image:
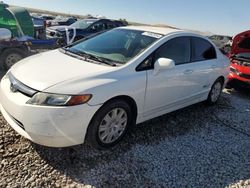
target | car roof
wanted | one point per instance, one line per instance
(159, 30)
(91, 19)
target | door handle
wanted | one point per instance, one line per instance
(213, 66)
(188, 71)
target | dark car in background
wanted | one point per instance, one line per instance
(81, 29)
(61, 21)
(239, 76)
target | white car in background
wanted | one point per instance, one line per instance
(95, 89)
(221, 41)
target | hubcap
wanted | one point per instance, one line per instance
(113, 125)
(12, 59)
(215, 93)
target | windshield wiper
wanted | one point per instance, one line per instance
(71, 53)
(93, 57)
(97, 58)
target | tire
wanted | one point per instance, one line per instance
(215, 92)
(96, 131)
(10, 56)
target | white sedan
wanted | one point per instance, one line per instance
(93, 90)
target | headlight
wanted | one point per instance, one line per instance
(48, 99)
(234, 70)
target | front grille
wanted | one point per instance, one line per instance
(242, 62)
(16, 85)
(247, 76)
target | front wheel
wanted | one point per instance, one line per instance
(109, 124)
(215, 92)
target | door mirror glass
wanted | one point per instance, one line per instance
(5, 34)
(163, 64)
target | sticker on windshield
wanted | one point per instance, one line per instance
(150, 34)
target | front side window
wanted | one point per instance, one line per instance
(177, 49)
(118, 45)
(202, 50)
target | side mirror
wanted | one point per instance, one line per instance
(163, 64)
(5, 34)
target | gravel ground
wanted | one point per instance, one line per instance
(198, 146)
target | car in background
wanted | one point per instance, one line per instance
(94, 90)
(81, 29)
(240, 61)
(62, 21)
(222, 42)
(47, 19)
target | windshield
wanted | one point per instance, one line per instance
(117, 45)
(82, 24)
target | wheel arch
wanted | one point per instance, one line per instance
(128, 99)
(222, 78)
(131, 102)
(20, 47)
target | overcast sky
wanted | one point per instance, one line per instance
(218, 16)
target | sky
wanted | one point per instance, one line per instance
(227, 17)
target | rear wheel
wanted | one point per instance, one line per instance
(215, 92)
(109, 124)
(10, 56)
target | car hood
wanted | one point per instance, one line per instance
(236, 40)
(48, 69)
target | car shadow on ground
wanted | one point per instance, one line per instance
(241, 92)
(136, 161)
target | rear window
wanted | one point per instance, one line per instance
(202, 50)
(245, 43)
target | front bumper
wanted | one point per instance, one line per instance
(233, 76)
(49, 126)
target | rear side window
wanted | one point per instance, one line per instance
(202, 50)
(177, 49)
(245, 43)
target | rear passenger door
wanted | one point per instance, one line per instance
(204, 63)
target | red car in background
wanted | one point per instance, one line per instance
(240, 61)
